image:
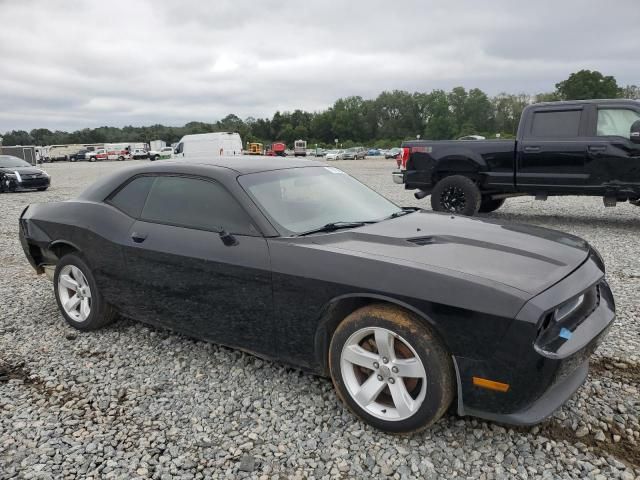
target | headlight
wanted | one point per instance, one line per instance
(567, 308)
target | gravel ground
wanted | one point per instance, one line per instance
(132, 401)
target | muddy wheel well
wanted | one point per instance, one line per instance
(336, 312)
(61, 249)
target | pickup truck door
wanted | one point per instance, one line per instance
(552, 149)
(613, 159)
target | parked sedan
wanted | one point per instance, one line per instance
(16, 174)
(334, 155)
(295, 261)
(393, 153)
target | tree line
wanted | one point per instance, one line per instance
(381, 122)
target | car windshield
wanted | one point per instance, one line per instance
(301, 199)
(8, 162)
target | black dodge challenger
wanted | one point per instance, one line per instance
(293, 260)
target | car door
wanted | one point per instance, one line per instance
(188, 275)
(614, 160)
(552, 149)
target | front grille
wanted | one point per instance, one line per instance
(34, 182)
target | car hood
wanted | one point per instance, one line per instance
(524, 257)
(21, 170)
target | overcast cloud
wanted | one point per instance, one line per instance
(75, 64)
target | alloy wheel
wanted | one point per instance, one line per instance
(74, 293)
(383, 373)
(453, 199)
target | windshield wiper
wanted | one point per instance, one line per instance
(400, 213)
(333, 226)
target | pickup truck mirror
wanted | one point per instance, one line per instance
(634, 132)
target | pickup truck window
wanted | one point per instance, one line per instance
(616, 121)
(558, 124)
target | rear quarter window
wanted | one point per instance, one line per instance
(556, 124)
(132, 196)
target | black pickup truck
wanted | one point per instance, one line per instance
(589, 147)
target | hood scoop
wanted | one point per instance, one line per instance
(422, 240)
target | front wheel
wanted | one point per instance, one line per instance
(390, 369)
(456, 194)
(77, 295)
(490, 205)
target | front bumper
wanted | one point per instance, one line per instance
(540, 381)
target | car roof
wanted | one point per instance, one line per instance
(247, 163)
(596, 101)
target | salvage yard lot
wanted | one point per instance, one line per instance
(131, 400)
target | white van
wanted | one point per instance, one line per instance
(214, 144)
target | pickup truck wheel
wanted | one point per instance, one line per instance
(456, 194)
(490, 205)
(390, 369)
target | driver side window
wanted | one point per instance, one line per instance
(616, 121)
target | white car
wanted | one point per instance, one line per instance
(334, 155)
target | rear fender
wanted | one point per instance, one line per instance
(457, 161)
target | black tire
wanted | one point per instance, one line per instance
(101, 313)
(92, 159)
(456, 194)
(120, 159)
(440, 377)
(635, 202)
(42, 189)
(490, 205)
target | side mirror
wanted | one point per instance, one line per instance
(634, 132)
(228, 239)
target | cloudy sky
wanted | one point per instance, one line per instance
(82, 63)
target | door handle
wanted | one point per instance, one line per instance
(597, 148)
(532, 149)
(138, 237)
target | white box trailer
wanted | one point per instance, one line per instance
(63, 152)
(215, 144)
(157, 145)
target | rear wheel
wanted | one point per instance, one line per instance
(77, 295)
(390, 369)
(456, 194)
(490, 205)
